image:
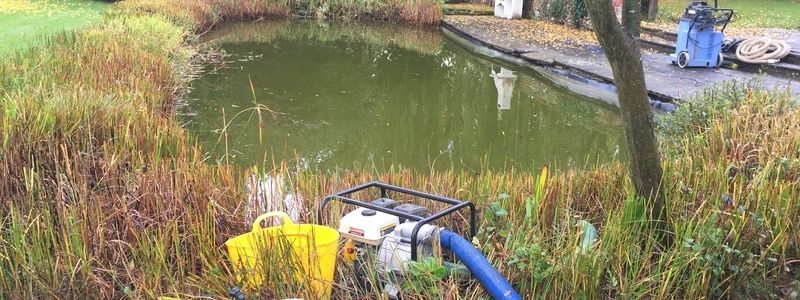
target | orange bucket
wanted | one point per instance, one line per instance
(312, 251)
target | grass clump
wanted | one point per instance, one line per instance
(735, 183)
(102, 195)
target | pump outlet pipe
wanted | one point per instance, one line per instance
(480, 268)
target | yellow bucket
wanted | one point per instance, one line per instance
(313, 254)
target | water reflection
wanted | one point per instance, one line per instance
(354, 96)
(504, 82)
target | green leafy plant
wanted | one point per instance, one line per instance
(558, 10)
(532, 202)
(423, 276)
(495, 214)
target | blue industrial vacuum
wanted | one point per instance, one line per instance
(698, 42)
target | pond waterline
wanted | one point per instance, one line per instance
(354, 96)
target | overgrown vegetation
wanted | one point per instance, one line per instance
(373, 33)
(103, 196)
(571, 13)
(201, 15)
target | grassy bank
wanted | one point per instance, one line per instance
(423, 40)
(104, 196)
(201, 15)
(98, 180)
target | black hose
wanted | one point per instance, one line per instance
(236, 293)
(729, 46)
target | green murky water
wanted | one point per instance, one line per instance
(331, 96)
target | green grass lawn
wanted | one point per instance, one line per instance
(783, 14)
(21, 22)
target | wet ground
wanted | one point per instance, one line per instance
(576, 54)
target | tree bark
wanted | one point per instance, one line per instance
(652, 11)
(622, 51)
(631, 17)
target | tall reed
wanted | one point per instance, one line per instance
(412, 12)
(423, 40)
(103, 196)
(101, 190)
(200, 16)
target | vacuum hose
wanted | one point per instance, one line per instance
(755, 50)
(488, 276)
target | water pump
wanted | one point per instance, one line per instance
(382, 238)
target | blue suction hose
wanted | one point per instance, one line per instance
(480, 268)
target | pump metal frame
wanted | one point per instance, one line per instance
(455, 205)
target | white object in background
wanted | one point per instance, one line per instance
(509, 9)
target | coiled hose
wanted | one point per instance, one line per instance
(757, 50)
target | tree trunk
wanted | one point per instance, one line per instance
(631, 16)
(624, 56)
(652, 11)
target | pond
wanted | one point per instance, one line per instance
(331, 96)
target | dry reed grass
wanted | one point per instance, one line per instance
(423, 40)
(103, 195)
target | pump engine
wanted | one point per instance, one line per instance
(382, 237)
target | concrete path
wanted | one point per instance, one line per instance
(665, 81)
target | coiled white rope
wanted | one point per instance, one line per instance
(757, 50)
